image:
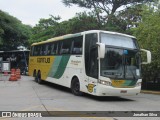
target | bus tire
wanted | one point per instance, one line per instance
(39, 80)
(75, 87)
(35, 75)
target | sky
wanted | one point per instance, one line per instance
(31, 11)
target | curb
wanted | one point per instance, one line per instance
(150, 92)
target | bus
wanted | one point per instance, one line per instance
(100, 63)
(17, 58)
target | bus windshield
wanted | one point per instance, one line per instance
(118, 41)
(121, 61)
(120, 64)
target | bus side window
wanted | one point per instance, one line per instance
(36, 50)
(31, 52)
(47, 49)
(66, 46)
(40, 52)
(77, 45)
(54, 48)
(43, 50)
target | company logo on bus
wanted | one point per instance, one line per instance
(90, 87)
(43, 60)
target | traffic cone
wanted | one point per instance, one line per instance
(18, 73)
(13, 75)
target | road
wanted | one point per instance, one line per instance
(27, 95)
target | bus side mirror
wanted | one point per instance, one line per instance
(101, 50)
(148, 56)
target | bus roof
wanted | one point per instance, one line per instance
(58, 38)
(78, 34)
(109, 32)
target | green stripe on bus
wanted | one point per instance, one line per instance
(133, 82)
(129, 83)
(62, 66)
(55, 65)
(59, 66)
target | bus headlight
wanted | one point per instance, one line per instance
(104, 82)
(138, 84)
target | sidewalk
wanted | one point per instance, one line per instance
(150, 92)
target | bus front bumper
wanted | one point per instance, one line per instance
(103, 90)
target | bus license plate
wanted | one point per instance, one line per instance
(123, 91)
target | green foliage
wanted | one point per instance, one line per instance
(96, 19)
(131, 16)
(48, 28)
(82, 22)
(104, 10)
(148, 34)
(12, 32)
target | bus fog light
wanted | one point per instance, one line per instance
(138, 84)
(104, 82)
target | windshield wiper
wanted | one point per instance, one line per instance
(134, 76)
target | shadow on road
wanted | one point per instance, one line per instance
(107, 98)
(88, 96)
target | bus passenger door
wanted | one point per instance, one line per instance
(93, 71)
(91, 62)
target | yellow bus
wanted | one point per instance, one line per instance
(96, 62)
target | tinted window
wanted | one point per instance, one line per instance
(31, 51)
(91, 54)
(37, 50)
(48, 49)
(66, 46)
(53, 45)
(77, 45)
(43, 50)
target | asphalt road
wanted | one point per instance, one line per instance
(27, 95)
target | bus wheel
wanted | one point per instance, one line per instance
(39, 80)
(35, 76)
(75, 87)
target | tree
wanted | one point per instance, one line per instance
(101, 7)
(132, 15)
(12, 32)
(45, 29)
(51, 27)
(148, 34)
(82, 22)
